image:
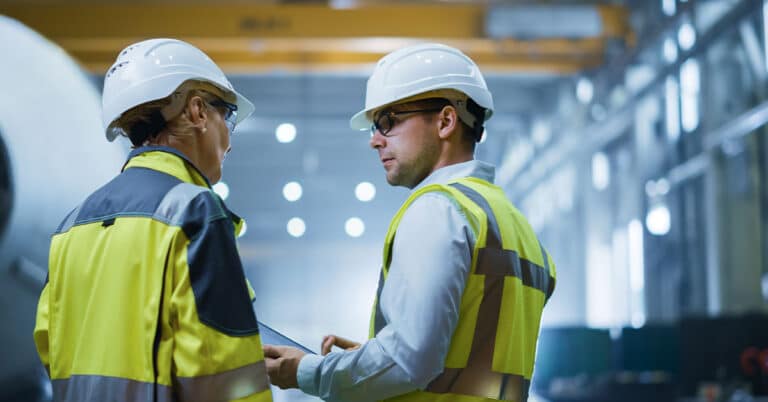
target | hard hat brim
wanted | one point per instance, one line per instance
(360, 121)
(245, 108)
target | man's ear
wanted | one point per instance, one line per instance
(197, 112)
(447, 122)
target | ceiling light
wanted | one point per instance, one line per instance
(296, 227)
(658, 220)
(292, 191)
(222, 189)
(669, 7)
(601, 171)
(365, 191)
(354, 227)
(540, 132)
(670, 50)
(584, 90)
(285, 133)
(686, 36)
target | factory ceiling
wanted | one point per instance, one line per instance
(549, 37)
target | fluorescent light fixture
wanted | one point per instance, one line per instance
(292, 191)
(672, 103)
(584, 90)
(601, 171)
(658, 220)
(689, 94)
(656, 188)
(285, 133)
(650, 188)
(636, 273)
(540, 132)
(686, 36)
(296, 227)
(765, 30)
(222, 189)
(764, 286)
(669, 7)
(636, 256)
(599, 279)
(670, 50)
(638, 319)
(662, 186)
(355, 227)
(365, 191)
(343, 4)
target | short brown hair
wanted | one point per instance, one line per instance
(434, 103)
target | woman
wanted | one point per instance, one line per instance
(146, 298)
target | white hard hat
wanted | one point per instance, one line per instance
(417, 69)
(153, 69)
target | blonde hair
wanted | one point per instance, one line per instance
(144, 123)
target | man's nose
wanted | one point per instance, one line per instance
(377, 140)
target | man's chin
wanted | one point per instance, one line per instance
(392, 180)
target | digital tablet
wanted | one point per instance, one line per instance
(271, 337)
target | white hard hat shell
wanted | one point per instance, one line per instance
(153, 69)
(416, 69)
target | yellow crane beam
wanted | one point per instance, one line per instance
(245, 37)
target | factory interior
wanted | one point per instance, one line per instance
(630, 133)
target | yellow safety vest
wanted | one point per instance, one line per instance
(492, 350)
(146, 299)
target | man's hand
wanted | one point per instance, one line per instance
(282, 364)
(332, 340)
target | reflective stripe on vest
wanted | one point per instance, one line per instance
(485, 375)
(249, 382)
(102, 388)
(230, 385)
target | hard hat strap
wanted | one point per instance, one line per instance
(471, 114)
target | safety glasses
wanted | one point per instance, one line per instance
(230, 113)
(385, 121)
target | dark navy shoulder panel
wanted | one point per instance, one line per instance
(134, 192)
(69, 220)
(215, 270)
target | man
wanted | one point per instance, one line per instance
(146, 298)
(464, 279)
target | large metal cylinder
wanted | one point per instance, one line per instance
(53, 153)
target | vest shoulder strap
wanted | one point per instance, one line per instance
(476, 217)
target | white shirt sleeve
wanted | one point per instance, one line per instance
(431, 258)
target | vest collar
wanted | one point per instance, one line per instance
(473, 168)
(167, 160)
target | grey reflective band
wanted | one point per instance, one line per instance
(175, 202)
(230, 385)
(551, 281)
(79, 388)
(494, 260)
(481, 383)
(508, 263)
(494, 263)
(493, 238)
